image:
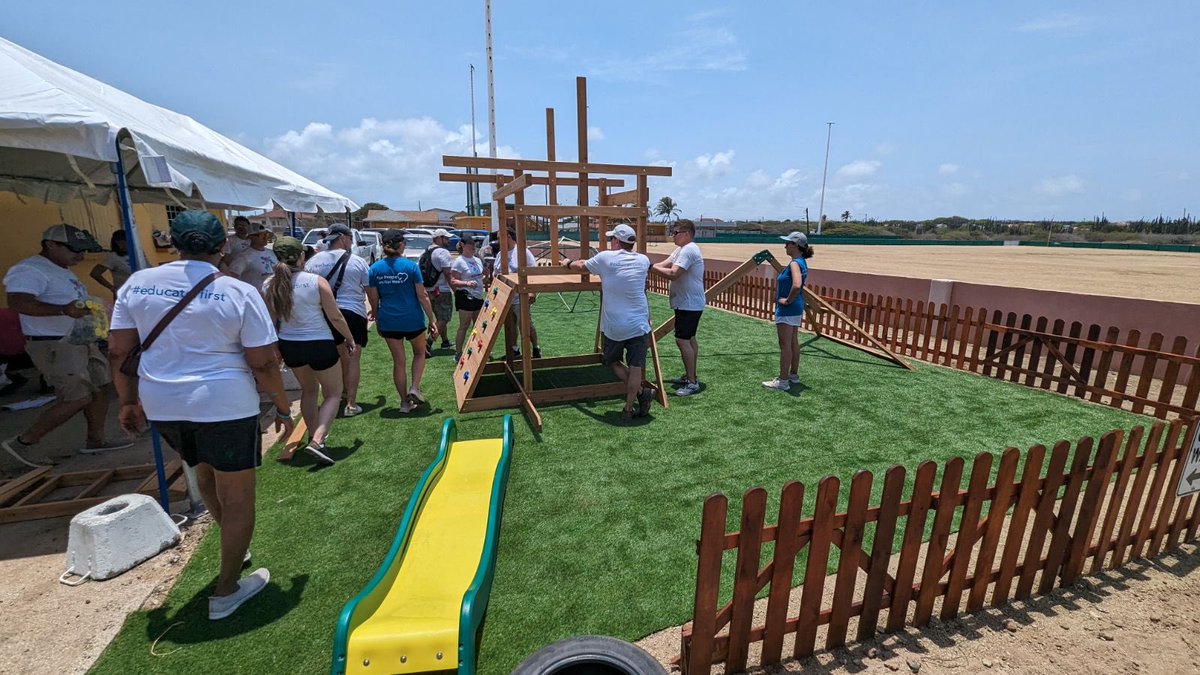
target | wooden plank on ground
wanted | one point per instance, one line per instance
(11, 489)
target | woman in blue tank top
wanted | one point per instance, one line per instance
(789, 310)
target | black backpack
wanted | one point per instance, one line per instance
(428, 272)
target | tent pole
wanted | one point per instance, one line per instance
(132, 242)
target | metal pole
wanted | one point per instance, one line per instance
(824, 174)
(473, 188)
(491, 103)
(131, 240)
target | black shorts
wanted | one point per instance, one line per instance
(633, 350)
(465, 303)
(401, 334)
(358, 328)
(316, 354)
(686, 323)
(233, 445)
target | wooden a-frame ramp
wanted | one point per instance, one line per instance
(813, 302)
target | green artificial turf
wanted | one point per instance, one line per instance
(601, 519)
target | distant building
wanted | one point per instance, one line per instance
(403, 219)
(710, 227)
(279, 221)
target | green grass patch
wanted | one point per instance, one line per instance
(600, 519)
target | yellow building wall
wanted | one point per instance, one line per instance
(23, 219)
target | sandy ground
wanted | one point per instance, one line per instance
(1142, 618)
(49, 628)
(1152, 275)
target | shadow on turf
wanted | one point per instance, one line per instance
(423, 410)
(270, 605)
(303, 460)
(613, 417)
(380, 401)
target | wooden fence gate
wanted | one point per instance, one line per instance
(1092, 506)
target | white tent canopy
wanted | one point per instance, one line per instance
(58, 139)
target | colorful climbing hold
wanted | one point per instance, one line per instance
(466, 375)
(484, 327)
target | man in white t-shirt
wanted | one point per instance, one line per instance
(198, 384)
(348, 280)
(685, 268)
(512, 325)
(441, 296)
(254, 264)
(624, 314)
(49, 297)
(240, 241)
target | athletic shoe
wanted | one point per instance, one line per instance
(777, 384)
(688, 389)
(794, 378)
(457, 356)
(416, 396)
(246, 559)
(317, 450)
(12, 445)
(105, 446)
(447, 345)
(352, 410)
(537, 352)
(221, 607)
(645, 398)
(678, 381)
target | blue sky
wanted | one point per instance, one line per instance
(1009, 110)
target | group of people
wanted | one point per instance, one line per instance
(232, 310)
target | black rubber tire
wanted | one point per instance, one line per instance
(590, 655)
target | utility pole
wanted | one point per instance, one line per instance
(824, 175)
(473, 188)
(491, 100)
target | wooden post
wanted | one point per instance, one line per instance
(524, 320)
(581, 129)
(552, 187)
(643, 196)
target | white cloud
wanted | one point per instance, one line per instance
(1058, 23)
(700, 48)
(595, 134)
(713, 166)
(652, 154)
(1057, 186)
(707, 14)
(955, 189)
(859, 168)
(393, 161)
(948, 169)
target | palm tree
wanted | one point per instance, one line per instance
(845, 216)
(667, 208)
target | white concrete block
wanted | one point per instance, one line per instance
(115, 536)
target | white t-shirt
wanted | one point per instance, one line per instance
(196, 370)
(624, 313)
(49, 283)
(308, 319)
(530, 261)
(253, 266)
(442, 261)
(235, 245)
(352, 294)
(118, 265)
(687, 292)
(470, 269)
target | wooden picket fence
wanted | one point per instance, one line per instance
(1107, 365)
(1090, 508)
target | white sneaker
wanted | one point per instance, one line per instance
(11, 447)
(777, 384)
(219, 608)
(678, 381)
(688, 389)
(794, 378)
(416, 396)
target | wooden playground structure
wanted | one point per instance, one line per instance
(512, 178)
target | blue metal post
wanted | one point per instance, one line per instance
(132, 242)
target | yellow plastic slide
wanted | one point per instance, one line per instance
(422, 611)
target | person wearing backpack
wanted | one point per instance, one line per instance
(347, 275)
(435, 265)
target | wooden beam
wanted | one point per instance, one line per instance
(21, 483)
(531, 411)
(552, 183)
(501, 179)
(546, 165)
(626, 198)
(512, 187)
(566, 210)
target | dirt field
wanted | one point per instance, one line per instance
(1156, 276)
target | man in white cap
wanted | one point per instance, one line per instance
(258, 262)
(441, 296)
(49, 297)
(624, 314)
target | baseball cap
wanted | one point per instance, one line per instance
(288, 249)
(392, 236)
(258, 228)
(623, 233)
(336, 230)
(797, 238)
(72, 237)
(197, 231)
(440, 232)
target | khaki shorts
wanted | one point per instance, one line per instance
(75, 371)
(443, 306)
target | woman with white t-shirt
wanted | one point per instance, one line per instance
(300, 304)
(466, 278)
